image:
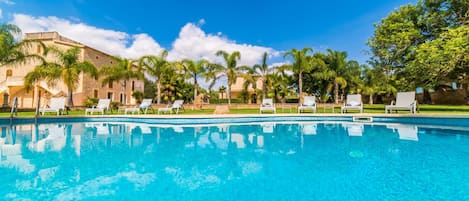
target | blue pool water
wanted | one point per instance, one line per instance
(261, 161)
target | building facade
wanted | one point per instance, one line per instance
(238, 87)
(12, 77)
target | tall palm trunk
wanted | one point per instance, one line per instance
(228, 95)
(275, 95)
(371, 99)
(158, 93)
(70, 98)
(300, 84)
(336, 92)
(195, 89)
(264, 88)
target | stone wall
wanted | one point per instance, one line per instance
(447, 97)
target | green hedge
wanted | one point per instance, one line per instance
(224, 101)
(291, 100)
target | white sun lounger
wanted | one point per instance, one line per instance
(353, 102)
(56, 105)
(103, 106)
(404, 101)
(144, 106)
(309, 103)
(267, 105)
(177, 105)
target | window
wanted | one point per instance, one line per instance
(97, 57)
(9, 72)
(110, 95)
(122, 98)
(95, 93)
(110, 85)
(133, 85)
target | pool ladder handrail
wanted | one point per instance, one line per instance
(14, 107)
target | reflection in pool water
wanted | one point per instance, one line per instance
(268, 161)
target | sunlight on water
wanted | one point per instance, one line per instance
(266, 161)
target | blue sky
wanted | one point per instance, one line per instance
(273, 26)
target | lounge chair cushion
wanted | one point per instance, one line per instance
(309, 102)
(353, 103)
(144, 105)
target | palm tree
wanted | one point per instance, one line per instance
(263, 71)
(193, 70)
(336, 62)
(212, 74)
(168, 86)
(278, 84)
(155, 66)
(374, 83)
(67, 68)
(230, 69)
(301, 63)
(12, 52)
(124, 70)
(250, 78)
(222, 90)
(353, 73)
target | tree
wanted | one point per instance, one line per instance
(441, 61)
(176, 88)
(318, 78)
(193, 70)
(231, 68)
(250, 79)
(262, 71)
(374, 83)
(149, 89)
(212, 74)
(12, 52)
(124, 70)
(414, 39)
(155, 66)
(278, 84)
(301, 63)
(392, 43)
(138, 95)
(173, 85)
(353, 75)
(222, 90)
(67, 68)
(336, 62)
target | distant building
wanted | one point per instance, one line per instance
(12, 77)
(237, 88)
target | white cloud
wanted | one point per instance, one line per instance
(194, 43)
(1, 13)
(278, 64)
(109, 41)
(8, 2)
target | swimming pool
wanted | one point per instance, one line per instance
(329, 159)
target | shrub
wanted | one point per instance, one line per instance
(138, 95)
(90, 102)
(292, 100)
(115, 105)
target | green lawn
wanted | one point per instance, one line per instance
(377, 108)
